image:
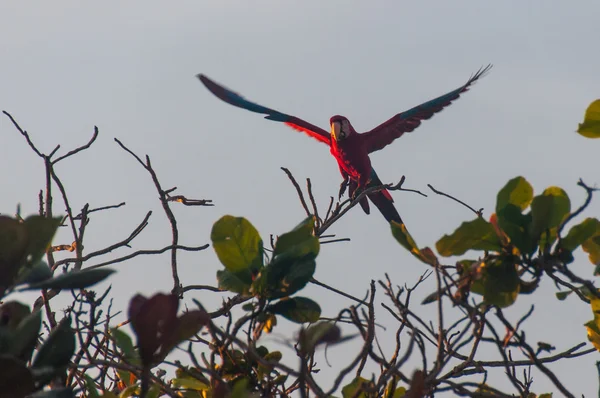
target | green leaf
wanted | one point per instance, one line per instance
(579, 233)
(238, 282)
(501, 283)
(401, 234)
(130, 391)
(125, 344)
(284, 276)
(58, 349)
(240, 389)
(189, 383)
(125, 376)
(548, 210)
(351, 390)
(517, 226)
(13, 247)
(563, 295)
(590, 127)
(297, 309)
(40, 231)
(73, 279)
(237, 244)
(301, 240)
(517, 192)
(592, 247)
(274, 356)
(36, 273)
(472, 235)
(403, 237)
(280, 379)
(154, 391)
(24, 338)
(90, 387)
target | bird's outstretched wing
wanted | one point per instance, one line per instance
(407, 121)
(237, 100)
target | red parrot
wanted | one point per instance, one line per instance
(349, 148)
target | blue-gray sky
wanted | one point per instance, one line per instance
(129, 67)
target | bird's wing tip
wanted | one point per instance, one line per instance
(203, 78)
(484, 70)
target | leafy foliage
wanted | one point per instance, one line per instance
(590, 127)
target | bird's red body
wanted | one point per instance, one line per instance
(353, 158)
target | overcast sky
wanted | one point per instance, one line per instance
(129, 67)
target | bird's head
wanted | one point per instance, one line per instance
(340, 128)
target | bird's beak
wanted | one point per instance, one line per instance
(335, 130)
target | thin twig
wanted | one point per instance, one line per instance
(479, 212)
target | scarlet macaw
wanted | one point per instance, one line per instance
(349, 148)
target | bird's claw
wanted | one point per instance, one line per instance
(356, 193)
(343, 187)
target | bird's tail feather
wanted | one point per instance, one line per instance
(385, 206)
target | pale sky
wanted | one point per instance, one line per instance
(129, 68)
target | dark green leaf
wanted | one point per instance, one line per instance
(301, 240)
(58, 349)
(237, 244)
(154, 391)
(517, 192)
(36, 273)
(280, 379)
(125, 344)
(90, 387)
(297, 309)
(284, 276)
(516, 225)
(352, 390)
(25, 337)
(501, 283)
(73, 279)
(13, 247)
(40, 231)
(472, 235)
(548, 210)
(238, 282)
(580, 233)
(240, 388)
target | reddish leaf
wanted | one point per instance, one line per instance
(152, 321)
